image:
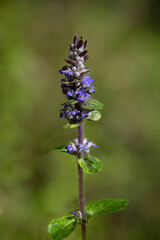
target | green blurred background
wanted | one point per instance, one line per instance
(38, 185)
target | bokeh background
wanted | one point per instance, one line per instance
(37, 184)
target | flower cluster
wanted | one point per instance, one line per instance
(81, 149)
(76, 84)
(81, 92)
(72, 114)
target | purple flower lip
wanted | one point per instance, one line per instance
(77, 214)
(67, 72)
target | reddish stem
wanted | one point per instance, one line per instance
(81, 185)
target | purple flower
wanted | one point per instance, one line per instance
(67, 72)
(92, 90)
(71, 148)
(83, 115)
(77, 148)
(71, 93)
(91, 144)
(75, 213)
(82, 95)
(87, 81)
(63, 86)
(78, 214)
(61, 115)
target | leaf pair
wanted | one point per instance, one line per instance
(64, 226)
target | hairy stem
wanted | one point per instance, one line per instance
(81, 185)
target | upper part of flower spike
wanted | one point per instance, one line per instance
(79, 149)
(77, 84)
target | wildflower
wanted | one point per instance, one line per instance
(78, 87)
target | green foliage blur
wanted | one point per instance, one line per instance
(37, 184)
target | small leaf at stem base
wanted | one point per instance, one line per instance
(62, 227)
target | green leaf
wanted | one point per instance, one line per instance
(71, 101)
(90, 164)
(94, 115)
(69, 125)
(62, 227)
(105, 206)
(92, 104)
(61, 148)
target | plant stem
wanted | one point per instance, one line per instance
(81, 185)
